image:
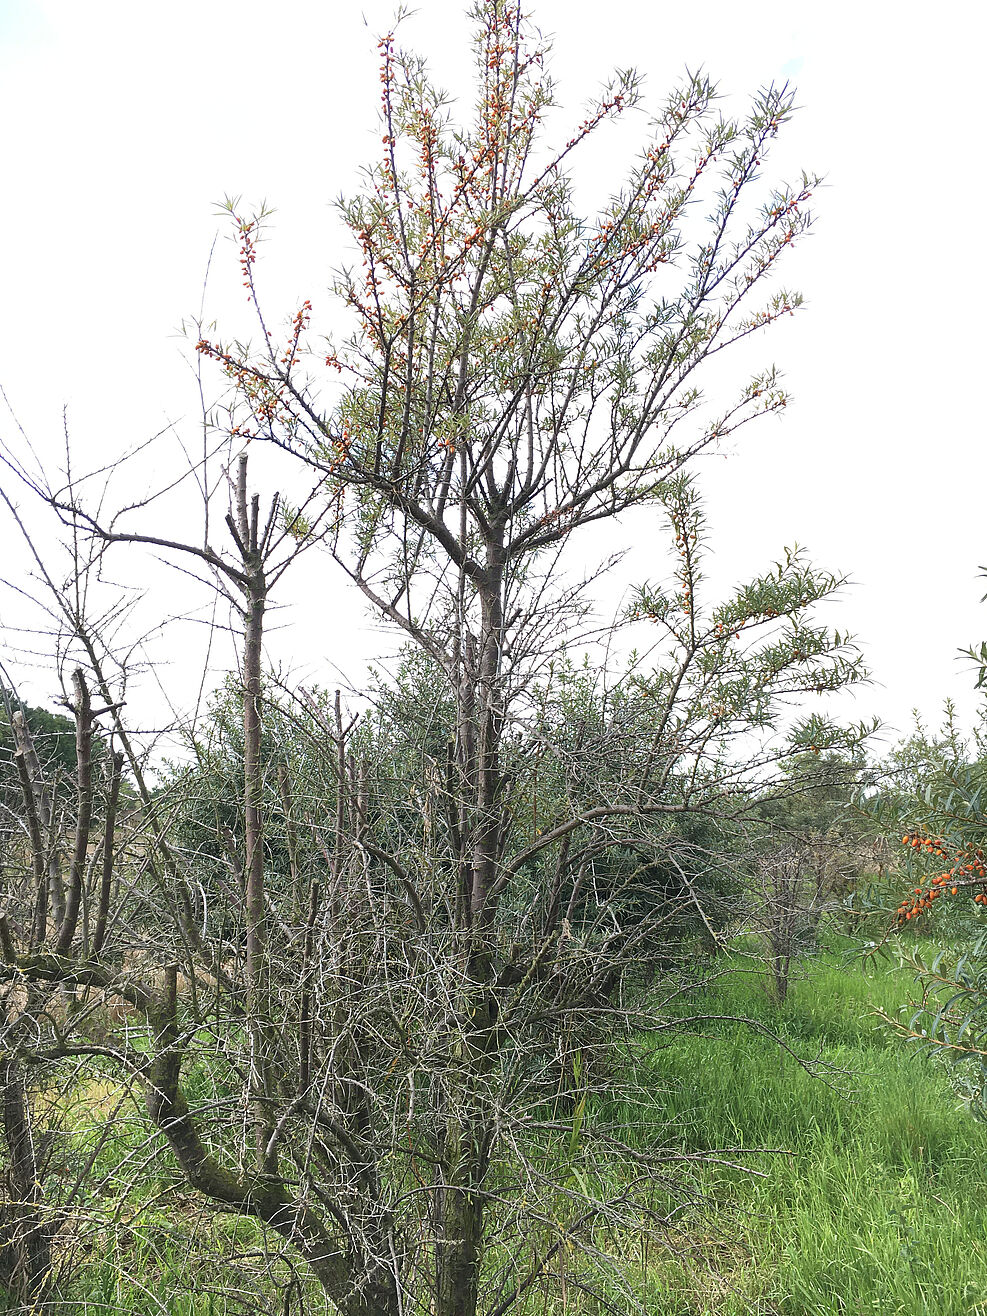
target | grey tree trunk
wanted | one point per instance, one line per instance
(466, 1139)
(25, 1235)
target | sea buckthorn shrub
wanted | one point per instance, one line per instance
(940, 806)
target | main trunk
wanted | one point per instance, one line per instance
(458, 1254)
(459, 1245)
(256, 966)
(466, 1142)
(490, 717)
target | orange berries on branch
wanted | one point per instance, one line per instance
(968, 869)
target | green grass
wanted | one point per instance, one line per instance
(880, 1204)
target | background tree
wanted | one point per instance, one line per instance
(816, 847)
(930, 806)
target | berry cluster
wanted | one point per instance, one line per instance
(968, 867)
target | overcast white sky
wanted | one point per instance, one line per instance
(125, 123)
